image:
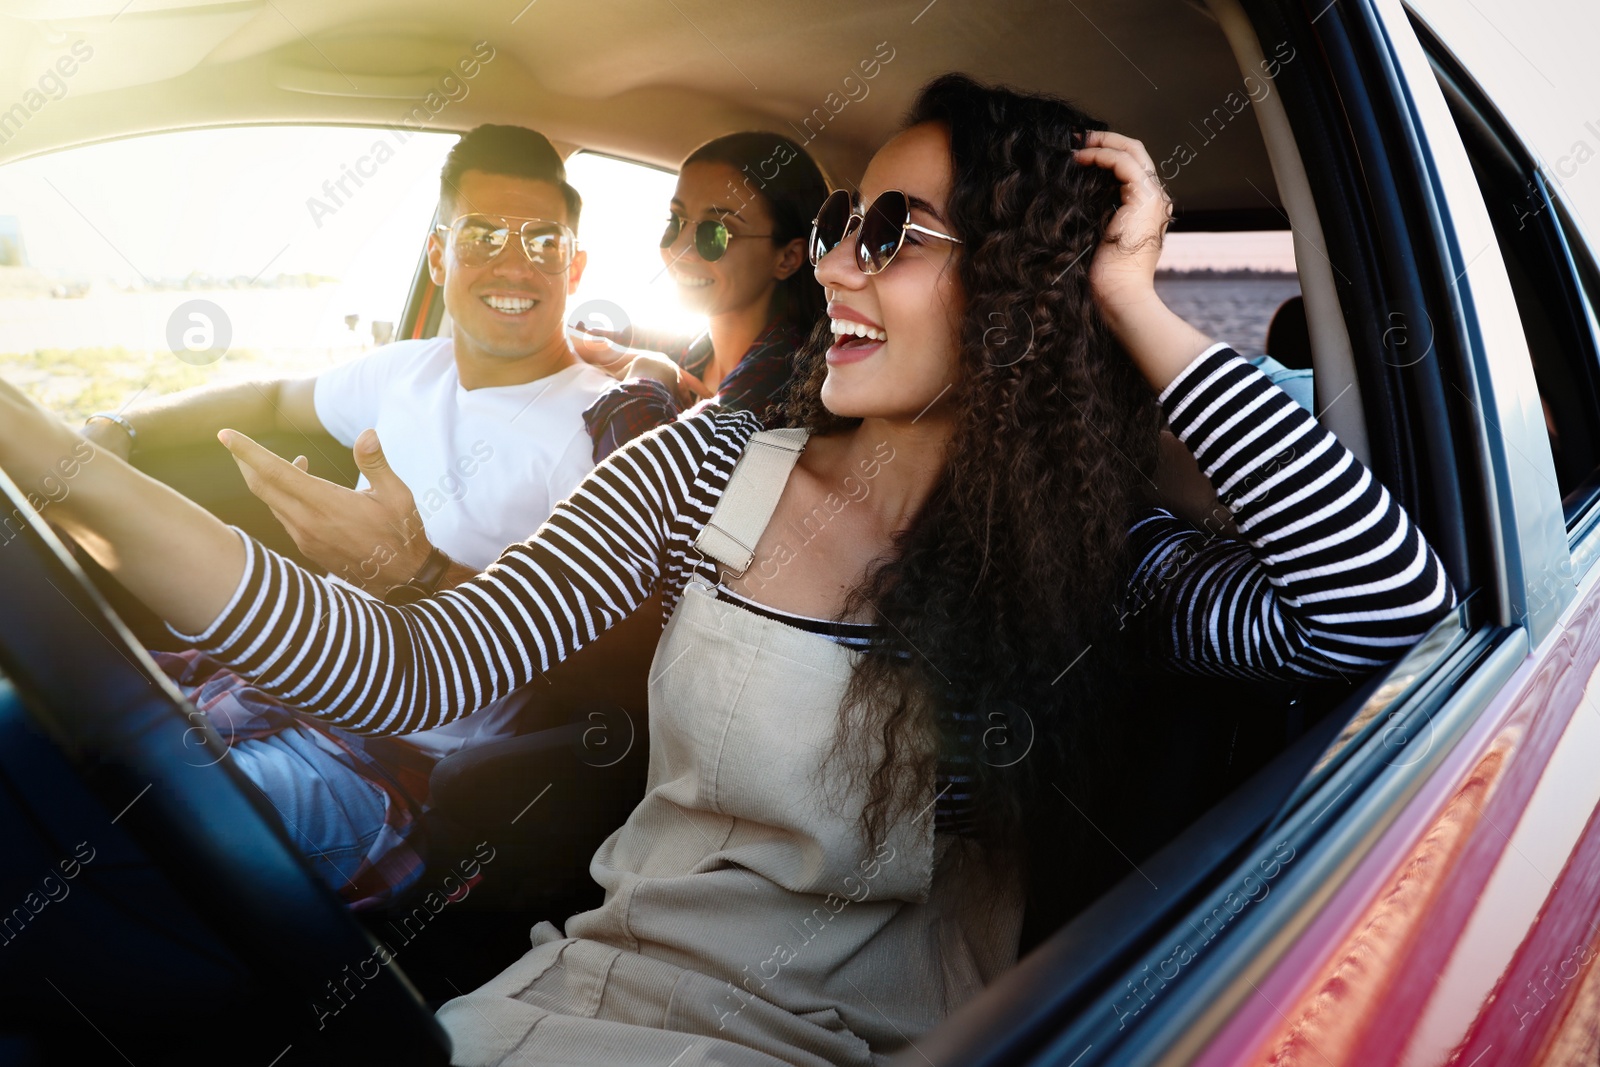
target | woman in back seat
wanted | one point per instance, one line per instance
(735, 247)
(831, 856)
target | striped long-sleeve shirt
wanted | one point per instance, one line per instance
(1331, 578)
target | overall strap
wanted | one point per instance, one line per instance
(757, 481)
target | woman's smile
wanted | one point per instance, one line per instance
(855, 337)
(691, 281)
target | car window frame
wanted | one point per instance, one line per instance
(1583, 526)
(424, 307)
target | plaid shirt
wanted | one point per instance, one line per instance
(638, 405)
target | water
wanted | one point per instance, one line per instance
(1235, 310)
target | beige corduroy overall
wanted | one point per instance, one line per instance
(746, 920)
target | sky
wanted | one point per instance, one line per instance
(259, 201)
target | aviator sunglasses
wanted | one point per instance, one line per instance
(478, 238)
(882, 228)
(710, 236)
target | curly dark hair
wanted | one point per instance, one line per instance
(1007, 576)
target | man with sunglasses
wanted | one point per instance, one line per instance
(482, 433)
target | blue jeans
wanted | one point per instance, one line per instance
(333, 813)
(346, 805)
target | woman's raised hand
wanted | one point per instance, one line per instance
(1122, 274)
(1124, 266)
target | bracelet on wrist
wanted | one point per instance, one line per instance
(113, 417)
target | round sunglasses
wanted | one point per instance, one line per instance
(710, 236)
(477, 239)
(882, 227)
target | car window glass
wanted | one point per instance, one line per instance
(1233, 287)
(147, 265)
(624, 211)
(1542, 263)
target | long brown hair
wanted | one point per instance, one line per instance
(1007, 576)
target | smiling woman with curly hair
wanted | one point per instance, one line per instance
(829, 858)
(1007, 573)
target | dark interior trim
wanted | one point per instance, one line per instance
(1028, 1006)
(1228, 220)
(134, 744)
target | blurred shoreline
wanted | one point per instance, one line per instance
(1231, 306)
(96, 351)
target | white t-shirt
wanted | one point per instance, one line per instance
(486, 466)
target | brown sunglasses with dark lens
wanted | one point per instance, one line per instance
(882, 229)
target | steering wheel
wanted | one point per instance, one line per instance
(155, 763)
